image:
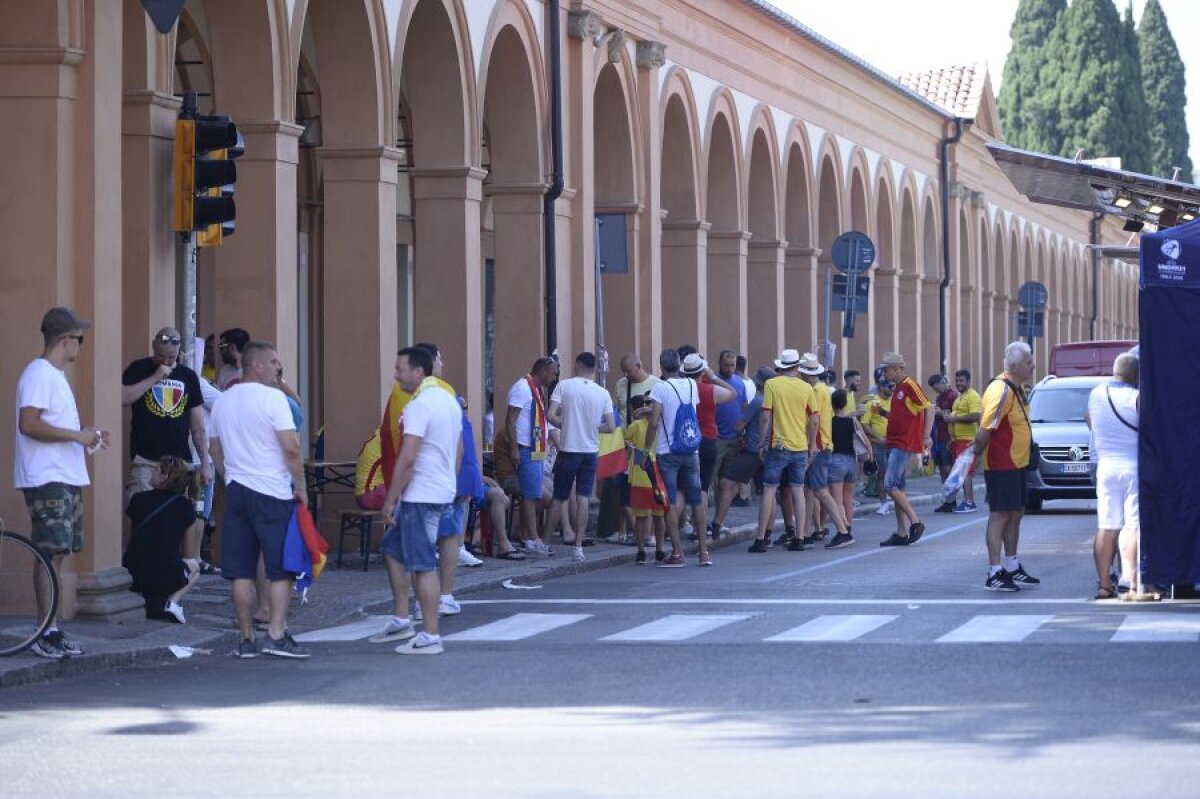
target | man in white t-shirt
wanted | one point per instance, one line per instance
(679, 470)
(582, 410)
(48, 463)
(255, 447)
(423, 487)
(529, 443)
(1112, 415)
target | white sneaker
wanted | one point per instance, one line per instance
(885, 507)
(686, 528)
(393, 632)
(578, 556)
(447, 606)
(423, 644)
(175, 611)
(538, 547)
(466, 559)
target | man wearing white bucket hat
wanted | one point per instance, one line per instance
(816, 480)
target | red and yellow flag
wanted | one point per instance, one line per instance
(390, 431)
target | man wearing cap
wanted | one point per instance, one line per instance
(816, 479)
(48, 463)
(876, 409)
(746, 464)
(788, 427)
(166, 407)
(910, 429)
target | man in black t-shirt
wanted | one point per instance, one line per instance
(167, 407)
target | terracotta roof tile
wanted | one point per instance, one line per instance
(958, 88)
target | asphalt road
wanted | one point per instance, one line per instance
(853, 673)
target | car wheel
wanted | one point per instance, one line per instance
(1033, 504)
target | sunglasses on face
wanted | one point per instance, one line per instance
(172, 340)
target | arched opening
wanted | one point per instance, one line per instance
(884, 283)
(800, 276)
(984, 301)
(857, 351)
(927, 358)
(764, 270)
(908, 305)
(829, 227)
(684, 235)
(966, 323)
(726, 243)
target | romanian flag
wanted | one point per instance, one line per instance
(647, 491)
(390, 431)
(304, 548)
(613, 459)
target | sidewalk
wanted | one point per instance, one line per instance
(340, 596)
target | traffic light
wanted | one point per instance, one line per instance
(205, 147)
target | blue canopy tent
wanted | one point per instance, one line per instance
(1169, 483)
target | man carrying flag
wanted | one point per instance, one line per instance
(527, 431)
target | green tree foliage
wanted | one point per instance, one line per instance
(1101, 105)
(1028, 100)
(1163, 82)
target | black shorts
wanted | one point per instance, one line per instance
(743, 468)
(708, 462)
(1007, 490)
(255, 524)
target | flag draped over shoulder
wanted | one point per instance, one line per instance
(304, 548)
(390, 431)
(613, 457)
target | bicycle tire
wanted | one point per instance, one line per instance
(10, 643)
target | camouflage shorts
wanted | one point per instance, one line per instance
(57, 513)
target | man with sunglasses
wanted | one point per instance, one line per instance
(167, 407)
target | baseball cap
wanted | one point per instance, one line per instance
(60, 321)
(763, 374)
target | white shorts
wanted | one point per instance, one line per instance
(1116, 496)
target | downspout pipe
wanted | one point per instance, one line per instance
(944, 170)
(554, 190)
(1094, 240)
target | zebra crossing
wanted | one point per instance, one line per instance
(1101, 625)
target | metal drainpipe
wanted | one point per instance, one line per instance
(1094, 240)
(556, 180)
(944, 167)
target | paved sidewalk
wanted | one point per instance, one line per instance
(339, 596)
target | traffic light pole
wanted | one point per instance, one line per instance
(188, 332)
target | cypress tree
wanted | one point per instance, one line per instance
(1163, 83)
(1028, 100)
(1099, 88)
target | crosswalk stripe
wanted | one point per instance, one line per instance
(834, 628)
(1157, 627)
(519, 626)
(676, 628)
(994, 628)
(354, 631)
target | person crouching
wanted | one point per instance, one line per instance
(160, 518)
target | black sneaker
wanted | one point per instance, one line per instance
(659, 556)
(818, 535)
(47, 647)
(640, 558)
(894, 541)
(1001, 581)
(245, 649)
(65, 644)
(1022, 577)
(945, 507)
(714, 531)
(915, 531)
(285, 647)
(786, 537)
(799, 544)
(840, 540)
(759, 545)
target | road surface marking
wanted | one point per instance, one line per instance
(725, 601)
(834, 628)
(676, 628)
(519, 626)
(1157, 627)
(994, 628)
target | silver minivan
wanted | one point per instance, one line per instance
(1064, 467)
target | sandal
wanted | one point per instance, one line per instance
(1105, 593)
(511, 554)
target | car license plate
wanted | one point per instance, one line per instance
(1076, 468)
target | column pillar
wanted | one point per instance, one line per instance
(520, 282)
(801, 315)
(727, 322)
(766, 297)
(254, 271)
(926, 357)
(358, 333)
(651, 56)
(908, 315)
(885, 283)
(684, 284)
(448, 274)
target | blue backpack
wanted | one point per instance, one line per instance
(685, 439)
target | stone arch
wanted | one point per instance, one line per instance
(884, 278)
(514, 153)
(857, 351)
(684, 233)
(909, 274)
(800, 272)
(252, 62)
(727, 237)
(986, 261)
(927, 359)
(765, 255)
(829, 227)
(965, 325)
(762, 180)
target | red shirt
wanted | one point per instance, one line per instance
(906, 420)
(706, 413)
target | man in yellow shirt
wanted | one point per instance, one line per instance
(788, 421)
(963, 420)
(816, 480)
(876, 408)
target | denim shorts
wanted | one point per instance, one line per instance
(681, 471)
(843, 468)
(412, 538)
(451, 525)
(897, 465)
(574, 470)
(783, 463)
(529, 475)
(254, 524)
(817, 476)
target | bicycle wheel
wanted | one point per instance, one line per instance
(21, 565)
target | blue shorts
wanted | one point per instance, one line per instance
(843, 468)
(254, 524)
(897, 465)
(574, 469)
(412, 538)
(451, 525)
(681, 471)
(817, 476)
(529, 475)
(783, 463)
